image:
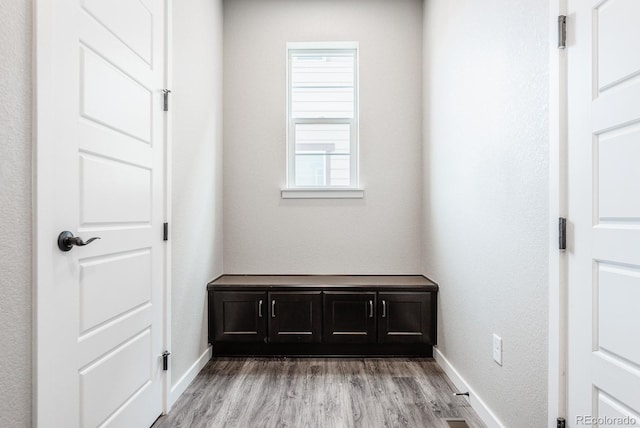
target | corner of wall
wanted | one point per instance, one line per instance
(196, 182)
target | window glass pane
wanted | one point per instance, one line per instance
(319, 70)
(319, 169)
(323, 138)
(311, 170)
(339, 170)
(322, 86)
(322, 103)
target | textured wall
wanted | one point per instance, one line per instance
(266, 234)
(196, 232)
(15, 213)
(486, 161)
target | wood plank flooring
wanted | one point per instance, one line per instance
(319, 393)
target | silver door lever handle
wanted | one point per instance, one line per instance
(66, 241)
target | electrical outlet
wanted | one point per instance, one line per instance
(497, 349)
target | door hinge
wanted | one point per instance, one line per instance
(561, 423)
(165, 360)
(562, 233)
(165, 232)
(165, 95)
(562, 32)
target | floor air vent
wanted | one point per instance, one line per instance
(456, 423)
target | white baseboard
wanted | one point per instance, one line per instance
(485, 413)
(181, 386)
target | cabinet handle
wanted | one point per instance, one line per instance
(273, 309)
(370, 308)
(260, 308)
(384, 309)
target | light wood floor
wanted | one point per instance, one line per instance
(319, 393)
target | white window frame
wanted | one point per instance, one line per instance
(352, 190)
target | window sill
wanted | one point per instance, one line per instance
(322, 193)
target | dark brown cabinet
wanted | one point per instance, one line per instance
(406, 317)
(295, 317)
(353, 315)
(349, 317)
(240, 316)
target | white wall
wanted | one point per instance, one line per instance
(196, 232)
(382, 232)
(486, 190)
(15, 213)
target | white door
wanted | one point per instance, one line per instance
(604, 212)
(100, 173)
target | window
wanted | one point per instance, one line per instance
(322, 142)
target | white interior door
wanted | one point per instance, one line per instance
(604, 209)
(100, 173)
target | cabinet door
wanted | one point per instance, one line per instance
(349, 317)
(295, 317)
(240, 316)
(407, 317)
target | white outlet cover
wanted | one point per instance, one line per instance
(497, 349)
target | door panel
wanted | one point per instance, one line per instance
(128, 362)
(618, 175)
(604, 208)
(95, 37)
(349, 317)
(619, 294)
(112, 98)
(609, 407)
(406, 317)
(100, 173)
(114, 192)
(617, 24)
(130, 21)
(240, 316)
(113, 285)
(295, 317)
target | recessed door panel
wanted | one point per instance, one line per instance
(406, 317)
(125, 371)
(129, 20)
(240, 316)
(613, 410)
(113, 191)
(349, 317)
(617, 26)
(112, 98)
(113, 285)
(618, 297)
(617, 158)
(295, 317)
